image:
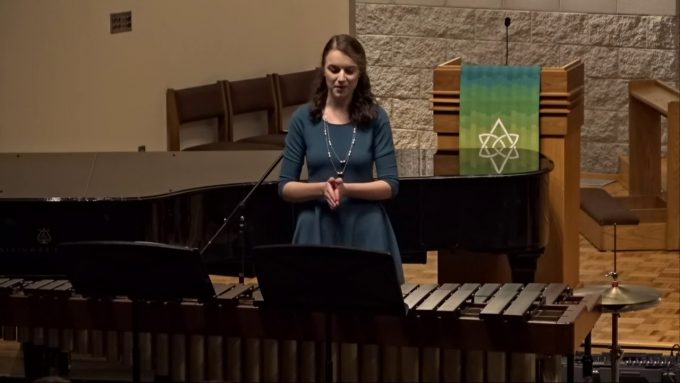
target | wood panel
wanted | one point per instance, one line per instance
(649, 100)
(645, 154)
(673, 177)
(645, 236)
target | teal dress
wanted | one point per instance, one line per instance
(355, 223)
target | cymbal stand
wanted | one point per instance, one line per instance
(616, 352)
(618, 298)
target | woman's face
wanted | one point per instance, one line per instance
(341, 73)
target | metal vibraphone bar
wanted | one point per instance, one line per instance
(453, 332)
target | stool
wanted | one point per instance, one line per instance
(616, 297)
(605, 209)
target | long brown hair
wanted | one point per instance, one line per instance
(362, 108)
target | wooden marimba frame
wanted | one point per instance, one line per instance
(453, 332)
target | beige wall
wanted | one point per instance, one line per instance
(67, 84)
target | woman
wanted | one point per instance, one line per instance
(342, 133)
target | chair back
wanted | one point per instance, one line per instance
(251, 96)
(293, 89)
(194, 104)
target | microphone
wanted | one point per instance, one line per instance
(240, 206)
(507, 39)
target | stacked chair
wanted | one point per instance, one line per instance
(293, 89)
(224, 102)
(255, 95)
(183, 106)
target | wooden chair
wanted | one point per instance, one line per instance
(254, 95)
(293, 89)
(197, 103)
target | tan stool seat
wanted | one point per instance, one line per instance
(605, 209)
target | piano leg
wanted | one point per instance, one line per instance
(523, 266)
(462, 266)
(34, 357)
(41, 360)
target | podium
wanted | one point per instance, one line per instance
(328, 279)
(560, 118)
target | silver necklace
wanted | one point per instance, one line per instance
(329, 148)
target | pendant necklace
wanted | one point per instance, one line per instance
(329, 148)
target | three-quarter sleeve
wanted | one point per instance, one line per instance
(385, 158)
(294, 152)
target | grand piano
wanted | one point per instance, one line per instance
(182, 198)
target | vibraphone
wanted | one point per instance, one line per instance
(453, 332)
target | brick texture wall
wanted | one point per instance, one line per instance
(406, 39)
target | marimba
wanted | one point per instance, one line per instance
(454, 332)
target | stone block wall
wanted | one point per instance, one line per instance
(618, 40)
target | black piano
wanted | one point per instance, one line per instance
(182, 198)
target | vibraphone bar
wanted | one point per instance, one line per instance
(453, 332)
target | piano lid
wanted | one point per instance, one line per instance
(465, 163)
(497, 161)
(122, 175)
(139, 175)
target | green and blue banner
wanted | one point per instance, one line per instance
(499, 118)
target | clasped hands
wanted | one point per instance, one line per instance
(333, 191)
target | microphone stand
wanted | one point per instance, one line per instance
(242, 220)
(507, 39)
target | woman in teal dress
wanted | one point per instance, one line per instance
(342, 133)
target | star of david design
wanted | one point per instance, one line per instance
(499, 146)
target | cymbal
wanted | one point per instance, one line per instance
(623, 297)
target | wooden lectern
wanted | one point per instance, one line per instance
(657, 209)
(561, 117)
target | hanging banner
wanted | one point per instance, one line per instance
(499, 117)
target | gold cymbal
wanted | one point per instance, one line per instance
(623, 297)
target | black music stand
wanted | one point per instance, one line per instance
(328, 279)
(142, 271)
